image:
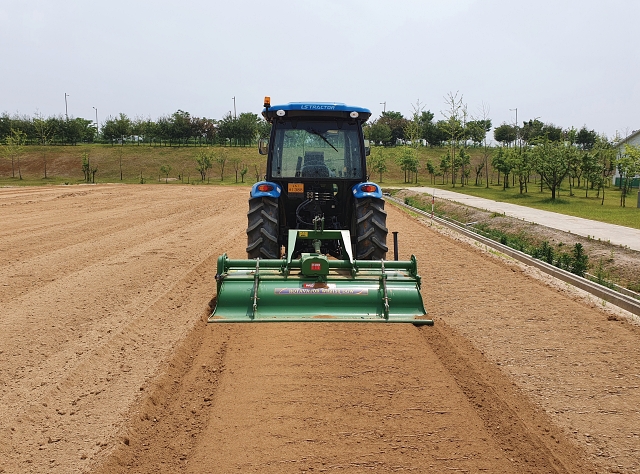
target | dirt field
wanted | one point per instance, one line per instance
(107, 365)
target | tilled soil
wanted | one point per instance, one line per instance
(107, 365)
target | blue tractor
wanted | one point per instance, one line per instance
(316, 179)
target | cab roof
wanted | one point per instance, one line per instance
(316, 110)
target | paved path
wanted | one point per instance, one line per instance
(616, 234)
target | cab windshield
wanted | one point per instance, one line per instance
(317, 150)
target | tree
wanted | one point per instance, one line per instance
(89, 172)
(227, 129)
(396, 123)
(434, 133)
(221, 160)
(378, 162)
(445, 166)
(586, 139)
(453, 126)
(235, 162)
(553, 164)
(379, 133)
(243, 171)
(552, 133)
(605, 154)
(412, 132)
(180, 128)
(5, 124)
(43, 133)
(14, 144)
(165, 170)
(464, 160)
(197, 129)
(505, 134)
(247, 128)
(204, 164)
(532, 130)
(209, 128)
(628, 164)
(408, 163)
(431, 170)
(590, 169)
(412, 128)
(519, 163)
(502, 164)
(476, 131)
(116, 128)
(486, 149)
(79, 130)
(574, 162)
(264, 128)
(163, 129)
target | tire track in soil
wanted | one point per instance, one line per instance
(574, 358)
(167, 424)
(523, 431)
(242, 413)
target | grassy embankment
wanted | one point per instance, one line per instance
(142, 163)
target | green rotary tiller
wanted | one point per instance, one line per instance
(315, 288)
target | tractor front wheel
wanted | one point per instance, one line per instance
(262, 228)
(371, 229)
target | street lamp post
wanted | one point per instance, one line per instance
(97, 129)
(66, 111)
(384, 106)
(234, 107)
(517, 129)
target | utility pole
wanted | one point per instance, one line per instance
(66, 111)
(234, 107)
(384, 106)
(96, 109)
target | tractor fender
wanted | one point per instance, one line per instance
(265, 189)
(368, 189)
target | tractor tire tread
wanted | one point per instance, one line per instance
(371, 229)
(262, 228)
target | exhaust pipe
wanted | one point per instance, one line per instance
(395, 246)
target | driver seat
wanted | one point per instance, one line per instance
(313, 166)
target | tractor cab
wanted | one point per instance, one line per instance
(316, 154)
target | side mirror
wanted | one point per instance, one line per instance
(367, 148)
(263, 146)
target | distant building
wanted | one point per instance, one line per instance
(633, 139)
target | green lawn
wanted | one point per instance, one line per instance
(577, 205)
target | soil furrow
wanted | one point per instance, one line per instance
(106, 364)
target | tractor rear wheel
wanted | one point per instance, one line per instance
(262, 228)
(371, 229)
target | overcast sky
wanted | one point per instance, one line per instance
(568, 62)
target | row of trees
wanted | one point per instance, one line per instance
(392, 128)
(179, 128)
(45, 131)
(536, 150)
